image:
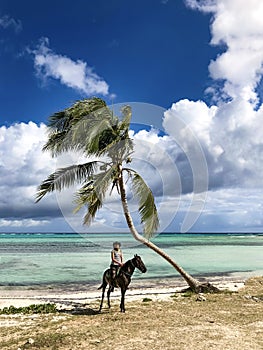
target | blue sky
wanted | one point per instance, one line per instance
(198, 62)
(148, 51)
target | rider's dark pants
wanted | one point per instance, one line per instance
(114, 269)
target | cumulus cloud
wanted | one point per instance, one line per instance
(230, 131)
(22, 223)
(230, 136)
(237, 25)
(9, 22)
(158, 158)
(74, 74)
(22, 167)
(202, 5)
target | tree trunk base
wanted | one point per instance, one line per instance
(205, 287)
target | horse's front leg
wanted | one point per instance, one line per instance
(102, 297)
(108, 295)
(122, 305)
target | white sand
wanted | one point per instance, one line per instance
(67, 300)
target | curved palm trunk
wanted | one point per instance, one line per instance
(192, 282)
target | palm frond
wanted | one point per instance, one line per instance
(115, 147)
(117, 142)
(147, 207)
(91, 127)
(124, 124)
(87, 195)
(58, 142)
(61, 124)
(63, 120)
(93, 193)
(92, 135)
(66, 177)
(101, 137)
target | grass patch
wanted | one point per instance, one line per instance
(188, 294)
(226, 321)
(146, 300)
(227, 291)
(31, 309)
(52, 341)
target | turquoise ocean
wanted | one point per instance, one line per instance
(63, 259)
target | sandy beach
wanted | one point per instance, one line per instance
(155, 318)
(65, 297)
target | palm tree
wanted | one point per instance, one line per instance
(90, 127)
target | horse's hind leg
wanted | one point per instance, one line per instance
(122, 305)
(102, 297)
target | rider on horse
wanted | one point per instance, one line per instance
(116, 259)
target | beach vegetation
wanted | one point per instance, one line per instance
(223, 322)
(187, 294)
(31, 309)
(146, 300)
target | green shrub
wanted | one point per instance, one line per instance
(146, 300)
(187, 294)
(31, 309)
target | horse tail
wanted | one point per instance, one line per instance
(104, 282)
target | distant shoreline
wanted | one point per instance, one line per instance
(148, 282)
(128, 233)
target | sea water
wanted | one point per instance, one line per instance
(59, 259)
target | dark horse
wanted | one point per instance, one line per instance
(122, 280)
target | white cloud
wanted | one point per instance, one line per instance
(196, 115)
(74, 74)
(22, 223)
(161, 162)
(202, 5)
(22, 167)
(9, 22)
(238, 25)
(231, 138)
(232, 210)
(230, 132)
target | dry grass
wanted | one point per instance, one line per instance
(225, 321)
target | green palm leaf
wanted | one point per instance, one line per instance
(93, 193)
(116, 142)
(124, 124)
(66, 177)
(91, 127)
(88, 196)
(57, 143)
(90, 135)
(61, 125)
(147, 207)
(62, 121)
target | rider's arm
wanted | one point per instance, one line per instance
(122, 259)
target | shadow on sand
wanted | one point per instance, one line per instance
(78, 309)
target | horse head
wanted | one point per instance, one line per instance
(138, 263)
